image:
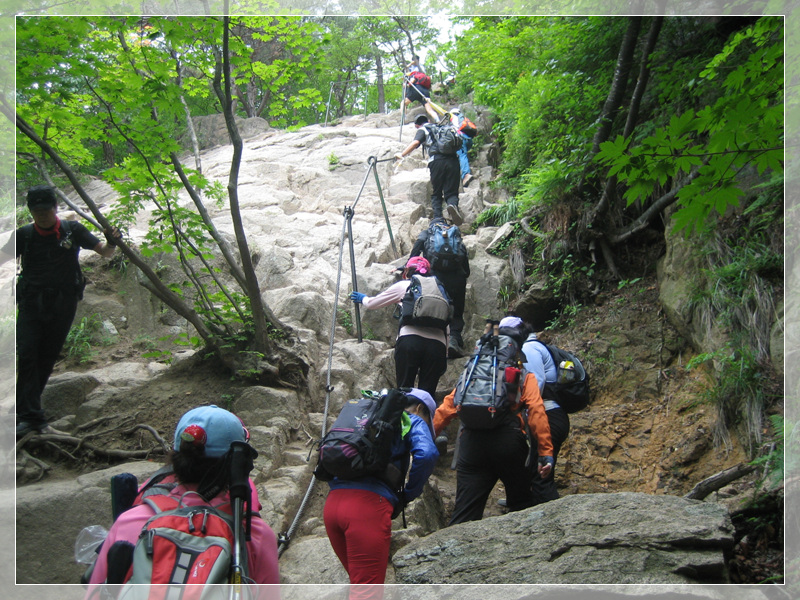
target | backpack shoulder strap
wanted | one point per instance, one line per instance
(27, 236)
(161, 502)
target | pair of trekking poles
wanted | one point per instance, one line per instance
(491, 335)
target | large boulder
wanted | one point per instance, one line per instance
(587, 539)
(50, 515)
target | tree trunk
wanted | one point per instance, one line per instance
(718, 481)
(262, 340)
(379, 80)
(619, 83)
(644, 75)
(189, 124)
(108, 154)
(633, 112)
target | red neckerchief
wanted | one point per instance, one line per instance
(55, 230)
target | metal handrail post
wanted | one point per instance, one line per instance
(373, 164)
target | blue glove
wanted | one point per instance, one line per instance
(547, 460)
(357, 297)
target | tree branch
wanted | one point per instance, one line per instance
(718, 481)
(652, 212)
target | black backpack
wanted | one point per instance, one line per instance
(444, 247)
(444, 139)
(426, 304)
(571, 388)
(484, 392)
(359, 443)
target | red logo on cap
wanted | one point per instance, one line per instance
(195, 435)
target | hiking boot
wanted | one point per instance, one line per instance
(26, 427)
(467, 179)
(454, 349)
(441, 444)
(454, 214)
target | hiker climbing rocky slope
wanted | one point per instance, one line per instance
(647, 430)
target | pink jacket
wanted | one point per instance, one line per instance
(394, 295)
(262, 549)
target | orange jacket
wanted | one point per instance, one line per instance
(530, 399)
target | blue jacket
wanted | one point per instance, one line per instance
(539, 362)
(415, 441)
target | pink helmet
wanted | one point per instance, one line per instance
(419, 265)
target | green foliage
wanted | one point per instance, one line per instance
(544, 78)
(772, 463)
(504, 297)
(83, 338)
(704, 150)
(626, 282)
(504, 212)
(345, 319)
(347, 71)
(566, 318)
(740, 394)
(111, 96)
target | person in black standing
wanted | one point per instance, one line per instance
(453, 274)
(444, 170)
(49, 287)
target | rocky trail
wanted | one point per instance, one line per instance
(648, 430)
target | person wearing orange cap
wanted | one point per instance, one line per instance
(420, 351)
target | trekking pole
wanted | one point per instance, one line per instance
(495, 344)
(486, 331)
(436, 107)
(242, 455)
(373, 162)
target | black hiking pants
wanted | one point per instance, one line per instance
(414, 356)
(484, 456)
(43, 322)
(445, 179)
(545, 490)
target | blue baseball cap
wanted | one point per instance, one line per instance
(211, 427)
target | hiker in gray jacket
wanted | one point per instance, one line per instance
(539, 362)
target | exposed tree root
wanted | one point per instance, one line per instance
(74, 447)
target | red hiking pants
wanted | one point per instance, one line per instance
(359, 527)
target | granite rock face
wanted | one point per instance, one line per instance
(588, 538)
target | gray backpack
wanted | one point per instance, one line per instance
(485, 390)
(426, 304)
(444, 139)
